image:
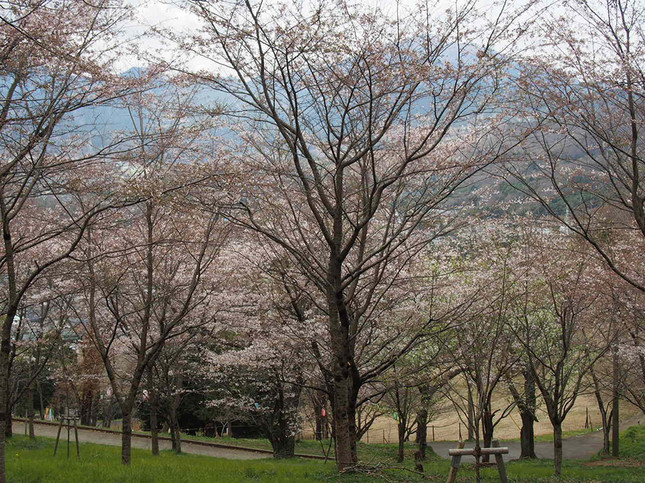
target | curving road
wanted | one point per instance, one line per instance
(579, 447)
(49, 430)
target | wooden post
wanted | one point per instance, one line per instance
(60, 427)
(433, 432)
(454, 466)
(500, 464)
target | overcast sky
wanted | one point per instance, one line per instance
(169, 14)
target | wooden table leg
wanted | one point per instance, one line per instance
(500, 464)
(454, 466)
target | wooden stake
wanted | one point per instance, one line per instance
(78, 447)
(454, 466)
(500, 464)
(60, 427)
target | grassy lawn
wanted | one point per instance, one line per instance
(29, 461)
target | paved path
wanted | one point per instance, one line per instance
(579, 447)
(114, 439)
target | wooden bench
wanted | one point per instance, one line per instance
(495, 450)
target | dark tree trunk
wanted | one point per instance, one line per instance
(557, 448)
(345, 389)
(344, 422)
(283, 447)
(126, 438)
(487, 431)
(402, 423)
(87, 400)
(422, 432)
(526, 404)
(154, 426)
(527, 435)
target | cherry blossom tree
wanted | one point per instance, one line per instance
(345, 119)
(549, 326)
(148, 270)
(57, 62)
(583, 97)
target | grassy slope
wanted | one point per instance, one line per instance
(33, 462)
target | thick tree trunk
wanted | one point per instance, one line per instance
(527, 435)
(557, 448)
(345, 383)
(487, 431)
(283, 447)
(344, 424)
(401, 433)
(87, 399)
(422, 432)
(126, 438)
(154, 428)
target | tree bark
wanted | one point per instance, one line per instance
(527, 436)
(487, 431)
(345, 429)
(557, 448)
(344, 375)
(422, 432)
(401, 432)
(126, 438)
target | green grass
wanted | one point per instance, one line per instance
(632, 443)
(33, 461)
